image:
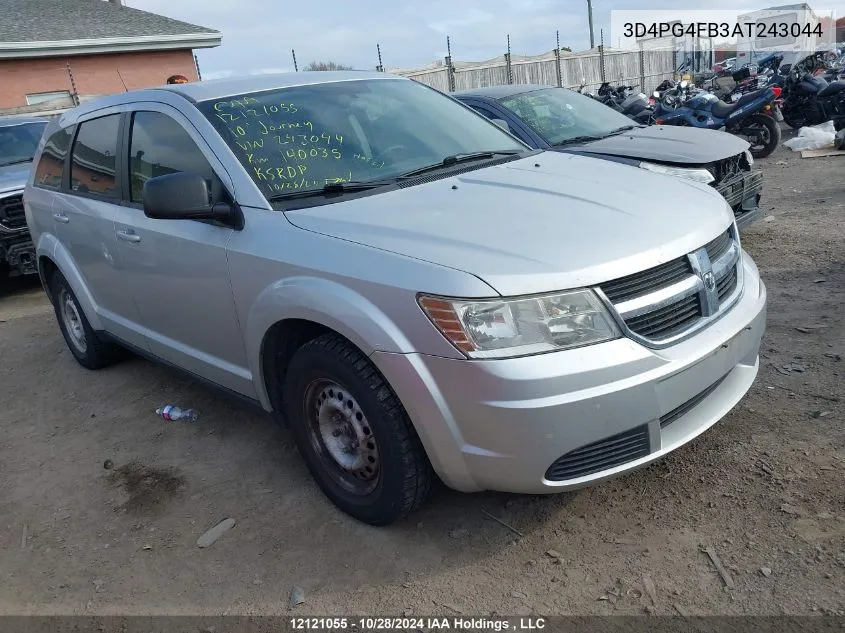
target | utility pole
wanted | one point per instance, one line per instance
(590, 17)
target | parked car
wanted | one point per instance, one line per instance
(19, 137)
(410, 288)
(563, 120)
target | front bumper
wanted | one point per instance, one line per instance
(506, 424)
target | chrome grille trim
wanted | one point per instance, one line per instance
(667, 314)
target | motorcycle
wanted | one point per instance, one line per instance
(809, 99)
(752, 116)
(624, 99)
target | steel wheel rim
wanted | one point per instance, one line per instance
(342, 437)
(72, 321)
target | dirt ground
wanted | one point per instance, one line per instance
(765, 488)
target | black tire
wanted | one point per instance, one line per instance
(403, 475)
(81, 339)
(770, 131)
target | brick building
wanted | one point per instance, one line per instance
(55, 53)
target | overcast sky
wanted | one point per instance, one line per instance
(258, 35)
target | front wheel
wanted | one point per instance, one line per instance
(353, 432)
(763, 132)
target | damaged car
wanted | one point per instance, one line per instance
(19, 138)
(557, 119)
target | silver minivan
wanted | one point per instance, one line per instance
(412, 290)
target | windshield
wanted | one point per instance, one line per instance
(303, 138)
(18, 142)
(558, 115)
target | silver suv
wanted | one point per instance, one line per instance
(406, 285)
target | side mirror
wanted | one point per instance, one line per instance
(502, 124)
(182, 196)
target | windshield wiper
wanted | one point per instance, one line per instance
(619, 130)
(16, 162)
(578, 139)
(332, 188)
(461, 158)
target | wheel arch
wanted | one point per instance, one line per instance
(53, 257)
(293, 311)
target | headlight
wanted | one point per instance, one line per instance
(519, 326)
(699, 175)
(749, 158)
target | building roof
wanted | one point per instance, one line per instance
(38, 28)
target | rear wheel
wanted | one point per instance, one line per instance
(86, 347)
(763, 132)
(353, 432)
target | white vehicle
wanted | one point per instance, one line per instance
(793, 30)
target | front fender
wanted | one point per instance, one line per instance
(327, 303)
(50, 247)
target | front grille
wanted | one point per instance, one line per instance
(728, 168)
(598, 456)
(736, 180)
(686, 407)
(647, 281)
(641, 299)
(667, 321)
(718, 247)
(727, 284)
(12, 215)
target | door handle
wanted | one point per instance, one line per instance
(128, 236)
(61, 217)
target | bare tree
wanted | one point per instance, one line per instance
(327, 66)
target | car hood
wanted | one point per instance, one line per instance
(667, 144)
(548, 222)
(14, 177)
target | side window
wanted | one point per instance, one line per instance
(51, 165)
(93, 160)
(161, 146)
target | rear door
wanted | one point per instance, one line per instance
(84, 210)
(177, 270)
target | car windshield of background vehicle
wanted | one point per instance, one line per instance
(302, 138)
(19, 142)
(558, 114)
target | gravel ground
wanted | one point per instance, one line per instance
(765, 488)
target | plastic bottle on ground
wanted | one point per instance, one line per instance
(172, 413)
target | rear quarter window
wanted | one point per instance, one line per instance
(50, 169)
